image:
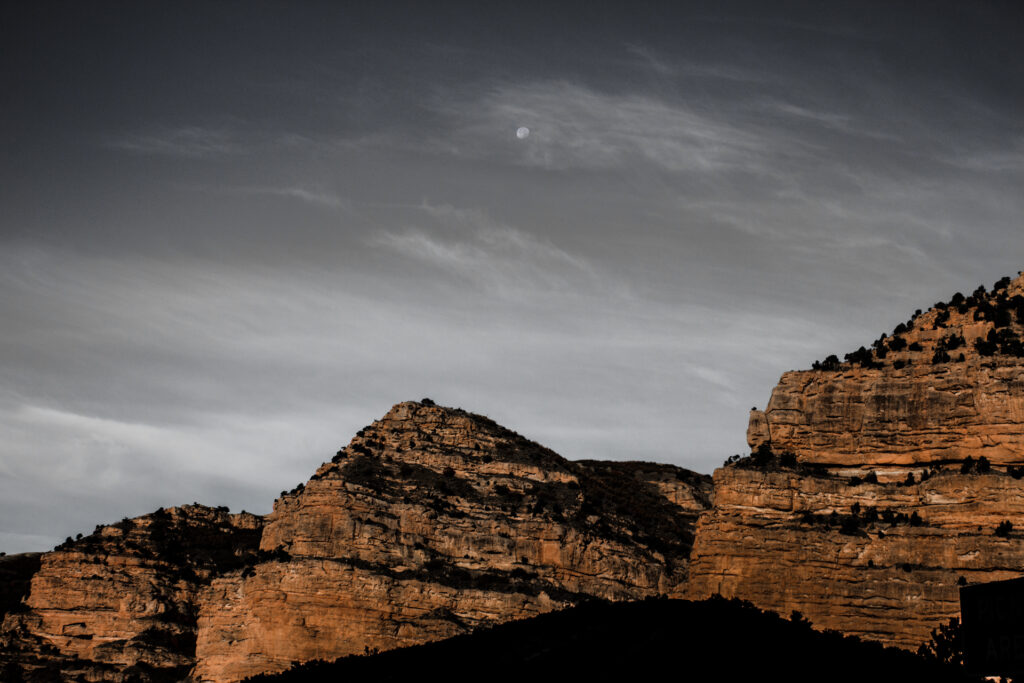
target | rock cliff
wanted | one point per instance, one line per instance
(433, 521)
(880, 561)
(879, 484)
(946, 385)
(121, 602)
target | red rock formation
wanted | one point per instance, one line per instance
(122, 600)
(915, 408)
(781, 532)
(431, 522)
(434, 521)
(771, 538)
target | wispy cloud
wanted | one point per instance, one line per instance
(650, 59)
(470, 245)
(664, 66)
(319, 197)
(185, 141)
(572, 126)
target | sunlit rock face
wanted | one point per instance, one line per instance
(121, 602)
(433, 521)
(827, 522)
(430, 522)
(771, 538)
(949, 386)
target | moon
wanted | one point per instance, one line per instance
(522, 132)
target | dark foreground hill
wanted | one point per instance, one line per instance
(727, 640)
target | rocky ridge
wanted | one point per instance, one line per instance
(946, 385)
(431, 522)
(120, 603)
(878, 485)
(434, 521)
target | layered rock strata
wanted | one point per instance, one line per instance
(433, 521)
(946, 385)
(881, 561)
(121, 602)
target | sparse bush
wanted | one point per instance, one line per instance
(947, 643)
(762, 455)
(831, 363)
(1004, 528)
(797, 617)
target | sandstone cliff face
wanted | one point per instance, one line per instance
(121, 602)
(881, 560)
(431, 522)
(949, 386)
(771, 538)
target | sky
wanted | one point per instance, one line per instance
(234, 233)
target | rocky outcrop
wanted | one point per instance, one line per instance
(879, 484)
(121, 602)
(881, 561)
(433, 521)
(946, 385)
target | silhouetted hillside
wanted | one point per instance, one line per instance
(730, 639)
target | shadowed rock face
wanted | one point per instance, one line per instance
(433, 521)
(921, 405)
(121, 601)
(15, 576)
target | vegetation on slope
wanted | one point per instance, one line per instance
(730, 639)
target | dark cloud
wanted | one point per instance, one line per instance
(234, 234)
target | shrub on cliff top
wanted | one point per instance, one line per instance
(946, 645)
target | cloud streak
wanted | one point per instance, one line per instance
(191, 142)
(572, 126)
